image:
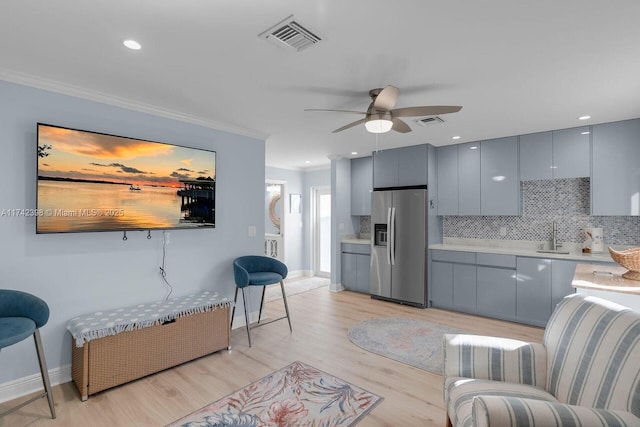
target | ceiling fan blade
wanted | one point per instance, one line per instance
(387, 98)
(350, 125)
(400, 126)
(335, 111)
(431, 110)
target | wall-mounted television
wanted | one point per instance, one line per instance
(90, 181)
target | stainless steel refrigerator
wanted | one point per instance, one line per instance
(399, 245)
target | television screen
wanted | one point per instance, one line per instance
(89, 181)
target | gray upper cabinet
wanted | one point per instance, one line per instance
(385, 168)
(572, 153)
(412, 165)
(400, 167)
(615, 172)
(552, 155)
(459, 179)
(499, 180)
(361, 185)
(447, 161)
(536, 158)
(469, 179)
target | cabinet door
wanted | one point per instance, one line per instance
(385, 169)
(533, 292)
(571, 153)
(496, 293)
(447, 180)
(499, 181)
(469, 179)
(363, 267)
(361, 185)
(464, 287)
(536, 159)
(442, 286)
(349, 277)
(412, 165)
(561, 277)
(615, 173)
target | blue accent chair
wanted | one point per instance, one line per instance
(22, 315)
(255, 270)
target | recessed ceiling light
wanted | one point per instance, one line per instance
(455, 137)
(307, 161)
(354, 153)
(584, 117)
(586, 132)
(132, 44)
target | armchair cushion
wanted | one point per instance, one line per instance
(508, 411)
(462, 391)
(496, 359)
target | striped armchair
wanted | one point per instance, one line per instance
(586, 372)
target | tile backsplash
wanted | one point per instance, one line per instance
(565, 201)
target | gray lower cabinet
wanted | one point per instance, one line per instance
(533, 290)
(442, 284)
(519, 289)
(355, 262)
(496, 292)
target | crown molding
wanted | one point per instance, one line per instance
(116, 101)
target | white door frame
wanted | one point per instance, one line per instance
(315, 215)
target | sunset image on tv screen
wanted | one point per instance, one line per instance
(90, 181)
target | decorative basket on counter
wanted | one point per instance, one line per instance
(629, 259)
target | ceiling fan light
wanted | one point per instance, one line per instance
(378, 125)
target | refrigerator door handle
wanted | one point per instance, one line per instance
(392, 240)
(389, 236)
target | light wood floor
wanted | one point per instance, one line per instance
(412, 397)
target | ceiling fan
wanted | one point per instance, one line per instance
(380, 117)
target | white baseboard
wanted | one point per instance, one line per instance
(299, 273)
(336, 287)
(33, 383)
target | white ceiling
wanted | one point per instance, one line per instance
(515, 66)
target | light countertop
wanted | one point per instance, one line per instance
(604, 278)
(356, 241)
(518, 248)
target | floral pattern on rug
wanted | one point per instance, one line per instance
(296, 395)
(409, 341)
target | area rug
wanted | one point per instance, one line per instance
(296, 395)
(295, 286)
(409, 341)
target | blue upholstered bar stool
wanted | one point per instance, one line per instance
(22, 315)
(255, 270)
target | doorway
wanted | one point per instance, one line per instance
(322, 231)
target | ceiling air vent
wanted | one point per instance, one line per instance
(290, 33)
(426, 121)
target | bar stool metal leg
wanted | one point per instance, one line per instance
(246, 315)
(44, 372)
(264, 288)
(286, 306)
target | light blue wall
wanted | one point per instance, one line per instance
(85, 272)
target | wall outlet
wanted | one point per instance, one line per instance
(503, 231)
(251, 231)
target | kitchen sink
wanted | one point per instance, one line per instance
(551, 251)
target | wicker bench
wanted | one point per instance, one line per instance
(114, 347)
